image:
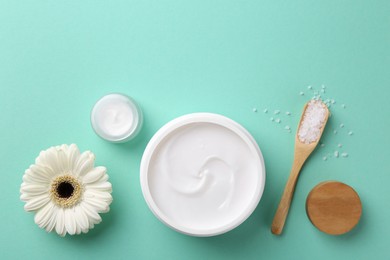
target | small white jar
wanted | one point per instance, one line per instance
(116, 118)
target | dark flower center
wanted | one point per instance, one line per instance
(65, 190)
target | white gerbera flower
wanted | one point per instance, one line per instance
(66, 191)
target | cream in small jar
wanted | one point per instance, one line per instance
(116, 118)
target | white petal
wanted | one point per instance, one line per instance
(41, 171)
(76, 217)
(41, 160)
(70, 222)
(60, 224)
(50, 159)
(25, 197)
(104, 186)
(63, 163)
(73, 155)
(53, 219)
(81, 219)
(84, 163)
(78, 229)
(104, 178)
(37, 202)
(98, 205)
(33, 189)
(43, 216)
(29, 177)
(91, 193)
(93, 216)
(65, 148)
(29, 196)
(94, 175)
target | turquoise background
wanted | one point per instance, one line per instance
(176, 57)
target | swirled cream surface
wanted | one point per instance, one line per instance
(203, 178)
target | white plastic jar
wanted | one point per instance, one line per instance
(116, 118)
(202, 174)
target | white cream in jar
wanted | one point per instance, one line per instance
(116, 118)
(202, 174)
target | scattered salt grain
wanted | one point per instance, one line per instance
(312, 122)
(254, 110)
(309, 130)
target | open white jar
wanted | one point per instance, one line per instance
(116, 118)
(202, 174)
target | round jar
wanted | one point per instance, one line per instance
(202, 174)
(116, 118)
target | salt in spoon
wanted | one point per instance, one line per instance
(310, 128)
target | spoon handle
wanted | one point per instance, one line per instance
(284, 204)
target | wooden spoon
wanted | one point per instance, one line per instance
(301, 153)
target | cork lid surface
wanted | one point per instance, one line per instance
(333, 207)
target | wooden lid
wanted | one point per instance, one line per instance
(333, 207)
